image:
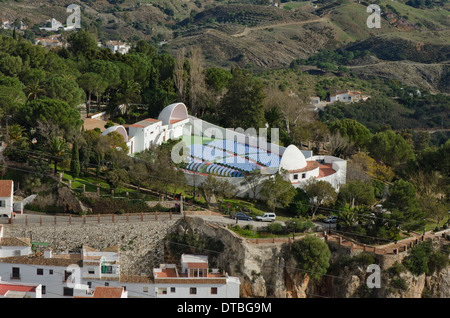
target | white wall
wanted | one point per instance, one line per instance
(7, 203)
(229, 290)
(54, 283)
(8, 251)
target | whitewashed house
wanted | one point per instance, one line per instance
(6, 197)
(348, 96)
(194, 280)
(300, 169)
(76, 275)
(19, 290)
(107, 292)
(13, 246)
(5, 24)
(172, 123)
(55, 25)
(118, 47)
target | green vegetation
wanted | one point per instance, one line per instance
(312, 255)
(391, 156)
(425, 258)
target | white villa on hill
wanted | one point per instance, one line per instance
(348, 96)
(228, 153)
(118, 46)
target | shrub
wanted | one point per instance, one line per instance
(417, 260)
(399, 283)
(275, 228)
(364, 259)
(312, 255)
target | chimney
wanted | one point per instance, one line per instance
(48, 253)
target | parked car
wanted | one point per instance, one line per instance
(241, 216)
(330, 219)
(266, 217)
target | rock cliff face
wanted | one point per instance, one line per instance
(269, 270)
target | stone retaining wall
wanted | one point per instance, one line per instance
(140, 244)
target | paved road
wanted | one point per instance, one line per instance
(256, 224)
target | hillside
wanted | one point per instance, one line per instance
(263, 37)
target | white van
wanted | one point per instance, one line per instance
(266, 217)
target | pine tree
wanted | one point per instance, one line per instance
(75, 162)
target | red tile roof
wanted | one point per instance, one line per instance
(167, 272)
(5, 188)
(108, 292)
(4, 287)
(325, 170)
(197, 265)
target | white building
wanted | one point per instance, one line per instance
(55, 25)
(301, 169)
(107, 292)
(6, 197)
(50, 41)
(5, 24)
(19, 290)
(231, 154)
(348, 96)
(82, 275)
(13, 246)
(172, 123)
(118, 47)
(194, 280)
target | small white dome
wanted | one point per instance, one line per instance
(292, 159)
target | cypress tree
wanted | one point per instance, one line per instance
(75, 162)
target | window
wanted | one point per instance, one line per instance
(295, 176)
(213, 290)
(15, 273)
(67, 275)
(106, 284)
(303, 175)
(162, 291)
(193, 291)
(145, 289)
(67, 291)
(43, 289)
(89, 284)
(39, 271)
(50, 271)
(16, 252)
(172, 289)
(91, 271)
(107, 269)
(2, 204)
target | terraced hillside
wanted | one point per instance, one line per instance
(262, 36)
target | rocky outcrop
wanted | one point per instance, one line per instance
(269, 270)
(58, 198)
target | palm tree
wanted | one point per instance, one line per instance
(57, 149)
(130, 92)
(16, 132)
(347, 219)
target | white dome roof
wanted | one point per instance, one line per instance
(292, 159)
(175, 111)
(117, 128)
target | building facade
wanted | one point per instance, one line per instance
(6, 197)
(194, 280)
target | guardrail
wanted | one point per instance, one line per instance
(40, 220)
